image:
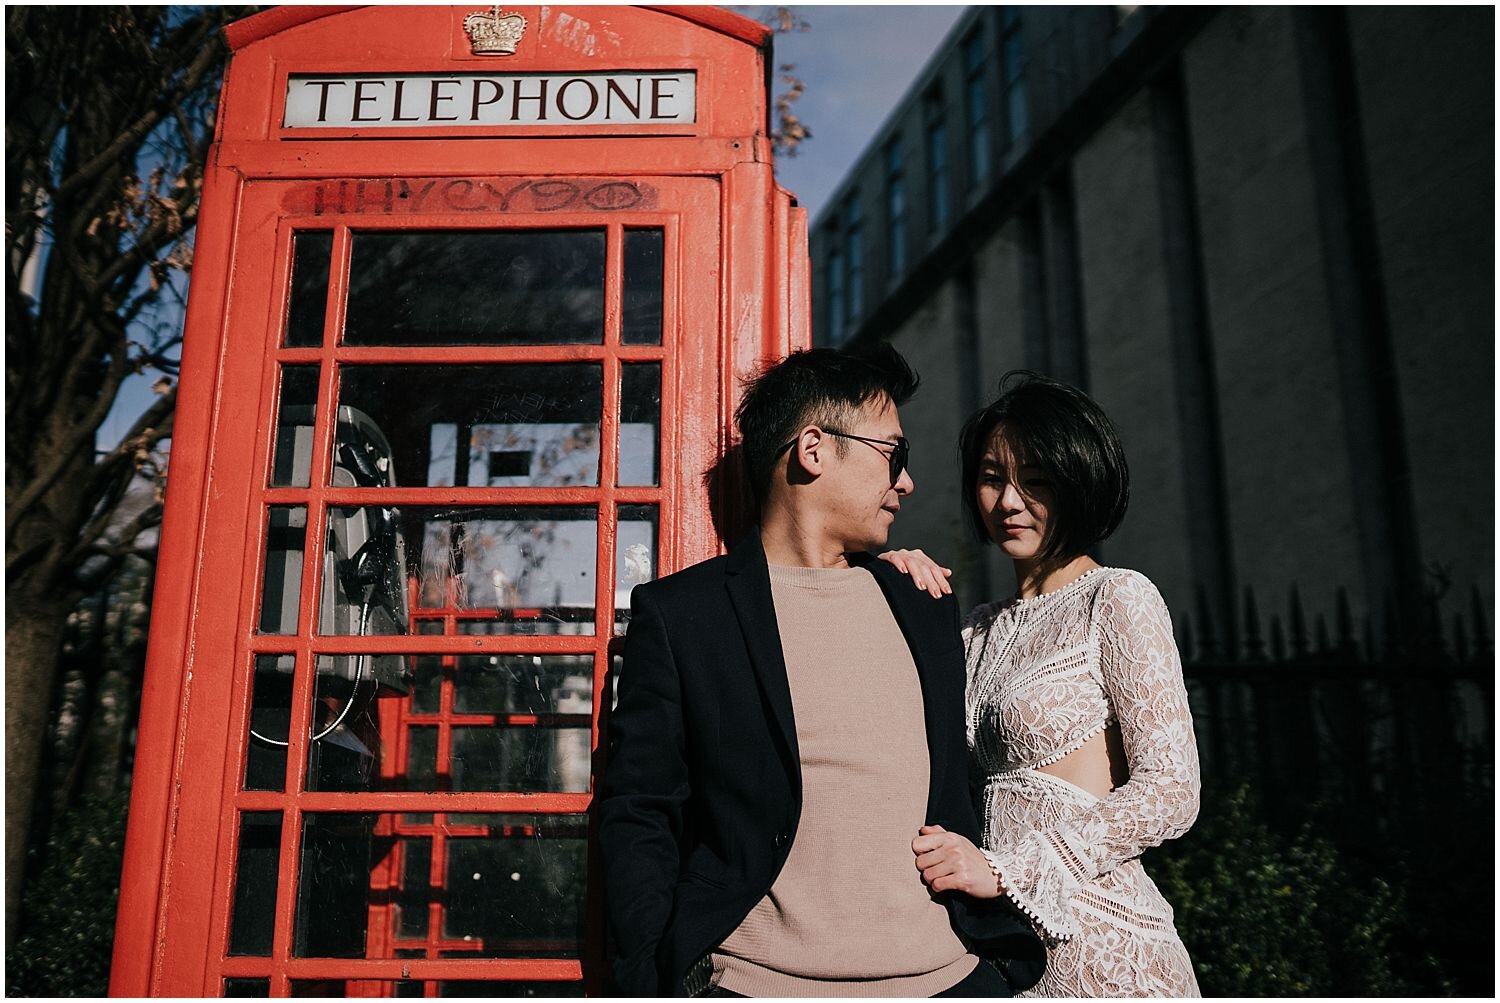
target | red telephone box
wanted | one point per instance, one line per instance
(473, 292)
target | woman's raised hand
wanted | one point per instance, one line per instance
(924, 571)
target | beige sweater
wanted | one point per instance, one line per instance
(848, 915)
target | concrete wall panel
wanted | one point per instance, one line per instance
(1426, 85)
(1291, 515)
(999, 313)
(1131, 371)
(931, 517)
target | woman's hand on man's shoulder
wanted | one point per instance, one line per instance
(925, 573)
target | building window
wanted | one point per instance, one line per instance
(1013, 60)
(855, 255)
(835, 281)
(976, 111)
(937, 163)
(895, 208)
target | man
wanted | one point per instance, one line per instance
(788, 748)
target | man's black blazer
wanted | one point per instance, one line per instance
(702, 792)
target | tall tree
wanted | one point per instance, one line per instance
(109, 114)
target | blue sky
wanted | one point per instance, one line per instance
(857, 60)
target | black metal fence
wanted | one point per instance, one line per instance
(1391, 726)
(1381, 739)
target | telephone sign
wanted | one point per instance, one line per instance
(431, 100)
(473, 294)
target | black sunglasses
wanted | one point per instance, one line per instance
(899, 455)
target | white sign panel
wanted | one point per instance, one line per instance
(435, 100)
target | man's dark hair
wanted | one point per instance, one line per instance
(1060, 429)
(819, 386)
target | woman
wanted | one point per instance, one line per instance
(1078, 720)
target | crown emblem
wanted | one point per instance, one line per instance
(492, 33)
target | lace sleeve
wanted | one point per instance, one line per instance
(1142, 677)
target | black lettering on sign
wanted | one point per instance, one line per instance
(592, 98)
(400, 196)
(496, 90)
(323, 98)
(613, 88)
(658, 95)
(360, 97)
(396, 115)
(438, 97)
(517, 96)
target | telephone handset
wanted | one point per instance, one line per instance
(364, 567)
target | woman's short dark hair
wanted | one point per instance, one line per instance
(1061, 430)
(821, 385)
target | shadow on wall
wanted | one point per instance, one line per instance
(730, 502)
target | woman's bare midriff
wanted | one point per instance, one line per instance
(1098, 765)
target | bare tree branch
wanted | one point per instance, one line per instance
(116, 469)
(148, 518)
(22, 559)
(143, 251)
(65, 451)
(100, 164)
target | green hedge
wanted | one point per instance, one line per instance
(1266, 914)
(68, 906)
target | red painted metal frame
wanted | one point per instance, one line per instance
(271, 22)
(388, 876)
(296, 802)
(735, 296)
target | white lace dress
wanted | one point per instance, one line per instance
(1045, 675)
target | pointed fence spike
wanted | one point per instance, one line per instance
(1255, 649)
(1298, 622)
(1426, 617)
(1343, 619)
